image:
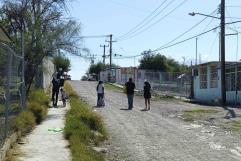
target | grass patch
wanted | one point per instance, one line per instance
(83, 128)
(39, 110)
(113, 87)
(234, 126)
(197, 114)
(24, 122)
(36, 111)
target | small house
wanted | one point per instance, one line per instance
(207, 82)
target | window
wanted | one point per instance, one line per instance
(213, 77)
(203, 77)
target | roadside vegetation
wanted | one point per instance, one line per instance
(35, 112)
(84, 129)
(197, 114)
(112, 87)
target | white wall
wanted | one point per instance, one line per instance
(48, 70)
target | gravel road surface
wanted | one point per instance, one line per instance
(155, 135)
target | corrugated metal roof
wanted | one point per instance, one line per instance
(4, 36)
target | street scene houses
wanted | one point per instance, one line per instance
(207, 82)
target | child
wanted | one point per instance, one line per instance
(63, 96)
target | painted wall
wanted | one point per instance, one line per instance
(208, 94)
(212, 94)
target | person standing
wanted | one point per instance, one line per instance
(55, 88)
(147, 94)
(100, 94)
(130, 87)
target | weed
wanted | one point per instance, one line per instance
(39, 111)
(80, 127)
(197, 114)
(24, 122)
(234, 126)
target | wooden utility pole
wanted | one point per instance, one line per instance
(222, 26)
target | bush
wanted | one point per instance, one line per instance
(39, 96)
(24, 122)
(39, 111)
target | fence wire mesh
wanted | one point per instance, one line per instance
(175, 84)
(11, 90)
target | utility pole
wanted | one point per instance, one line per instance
(222, 26)
(110, 51)
(104, 46)
(111, 41)
(196, 51)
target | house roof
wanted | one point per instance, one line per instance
(4, 37)
(227, 63)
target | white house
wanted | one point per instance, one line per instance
(207, 82)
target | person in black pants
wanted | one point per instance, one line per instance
(55, 88)
(130, 86)
(147, 94)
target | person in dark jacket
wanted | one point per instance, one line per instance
(147, 94)
(130, 87)
(55, 88)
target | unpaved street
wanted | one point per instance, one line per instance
(155, 135)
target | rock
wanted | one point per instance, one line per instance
(100, 150)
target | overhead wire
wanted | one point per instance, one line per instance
(143, 21)
(153, 24)
(182, 41)
(190, 29)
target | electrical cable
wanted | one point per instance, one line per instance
(153, 24)
(182, 41)
(143, 21)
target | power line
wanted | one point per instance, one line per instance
(182, 41)
(143, 21)
(153, 24)
(187, 31)
(94, 36)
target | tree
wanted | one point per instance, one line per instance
(96, 68)
(45, 31)
(160, 62)
(62, 62)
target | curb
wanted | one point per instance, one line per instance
(7, 145)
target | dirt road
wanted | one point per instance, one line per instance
(155, 135)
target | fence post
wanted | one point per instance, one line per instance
(7, 95)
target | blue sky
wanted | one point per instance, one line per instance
(117, 17)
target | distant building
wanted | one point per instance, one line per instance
(207, 82)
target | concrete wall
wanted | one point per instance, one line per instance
(48, 70)
(208, 94)
(211, 94)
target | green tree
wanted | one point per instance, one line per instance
(62, 62)
(96, 68)
(45, 30)
(160, 62)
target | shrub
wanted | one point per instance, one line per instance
(39, 96)
(39, 111)
(24, 122)
(81, 128)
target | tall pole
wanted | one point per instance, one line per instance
(110, 51)
(196, 51)
(223, 81)
(104, 46)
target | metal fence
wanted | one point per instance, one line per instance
(12, 97)
(174, 84)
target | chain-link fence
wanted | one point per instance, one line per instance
(12, 97)
(175, 84)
